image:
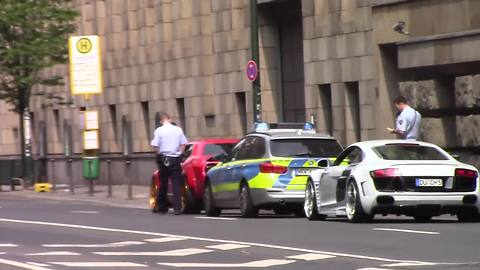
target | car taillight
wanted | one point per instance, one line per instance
(465, 173)
(385, 173)
(269, 167)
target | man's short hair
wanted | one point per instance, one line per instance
(400, 100)
(164, 115)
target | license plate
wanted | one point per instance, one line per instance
(421, 182)
(303, 171)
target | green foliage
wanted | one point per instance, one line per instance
(33, 36)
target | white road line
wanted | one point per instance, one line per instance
(22, 265)
(118, 244)
(373, 268)
(405, 231)
(8, 245)
(227, 246)
(217, 218)
(310, 257)
(86, 212)
(173, 253)
(407, 264)
(123, 231)
(165, 239)
(263, 263)
(99, 264)
(38, 264)
(54, 253)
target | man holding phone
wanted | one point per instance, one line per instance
(408, 120)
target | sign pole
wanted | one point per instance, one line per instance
(256, 93)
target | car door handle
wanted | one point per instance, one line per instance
(243, 166)
(229, 168)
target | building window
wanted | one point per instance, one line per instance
(112, 108)
(242, 110)
(325, 94)
(353, 109)
(146, 117)
(181, 114)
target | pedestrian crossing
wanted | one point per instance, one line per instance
(173, 253)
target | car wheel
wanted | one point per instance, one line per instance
(210, 209)
(422, 218)
(247, 209)
(153, 197)
(310, 204)
(470, 216)
(190, 205)
(354, 207)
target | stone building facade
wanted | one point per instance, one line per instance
(337, 62)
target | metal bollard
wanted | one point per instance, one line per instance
(129, 180)
(70, 176)
(90, 182)
(53, 180)
(109, 177)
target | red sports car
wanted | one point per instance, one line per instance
(200, 156)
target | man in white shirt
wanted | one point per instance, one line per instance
(408, 120)
(169, 143)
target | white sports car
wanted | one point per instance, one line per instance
(393, 177)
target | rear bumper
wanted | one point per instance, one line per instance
(272, 196)
(432, 204)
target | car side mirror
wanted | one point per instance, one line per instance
(324, 163)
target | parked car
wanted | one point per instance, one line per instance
(200, 156)
(393, 177)
(267, 169)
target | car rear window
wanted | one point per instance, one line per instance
(302, 147)
(218, 148)
(408, 152)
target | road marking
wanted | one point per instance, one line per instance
(38, 264)
(227, 246)
(165, 239)
(22, 265)
(99, 264)
(310, 257)
(263, 263)
(124, 231)
(373, 268)
(118, 244)
(405, 231)
(407, 264)
(174, 253)
(86, 212)
(218, 218)
(8, 245)
(54, 253)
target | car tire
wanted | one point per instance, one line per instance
(470, 216)
(422, 218)
(210, 209)
(353, 207)
(247, 209)
(190, 205)
(153, 197)
(310, 204)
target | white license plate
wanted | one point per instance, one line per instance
(421, 182)
(303, 171)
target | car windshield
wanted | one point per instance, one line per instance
(408, 152)
(302, 147)
(215, 149)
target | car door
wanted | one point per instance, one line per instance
(223, 182)
(334, 179)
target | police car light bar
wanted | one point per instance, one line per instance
(263, 126)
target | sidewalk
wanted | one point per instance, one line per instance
(100, 196)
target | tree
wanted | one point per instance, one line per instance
(33, 37)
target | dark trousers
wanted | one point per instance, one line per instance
(173, 172)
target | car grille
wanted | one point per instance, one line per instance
(407, 183)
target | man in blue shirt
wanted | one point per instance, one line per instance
(408, 120)
(169, 143)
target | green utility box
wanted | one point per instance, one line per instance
(91, 167)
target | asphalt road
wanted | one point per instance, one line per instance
(42, 234)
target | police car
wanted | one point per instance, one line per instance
(268, 169)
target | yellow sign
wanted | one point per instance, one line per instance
(91, 120)
(85, 65)
(90, 140)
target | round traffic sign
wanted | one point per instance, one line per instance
(252, 70)
(84, 45)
